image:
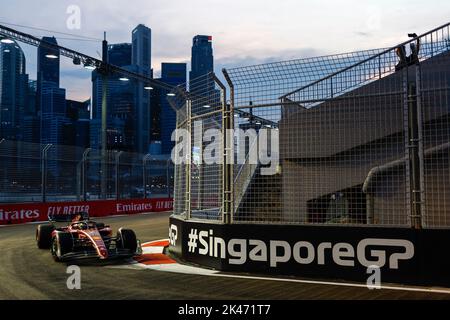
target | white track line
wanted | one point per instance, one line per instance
(341, 284)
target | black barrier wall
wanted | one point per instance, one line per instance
(406, 256)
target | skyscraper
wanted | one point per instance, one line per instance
(120, 54)
(77, 132)
(114, 134)
(47, 68)
(141, 58)
(121, 98)
(142, 49)
(30, 108)
(173, 74)
(31, 123)
(53, 114)
(155, 115)
(13, 90)
(53, 100)
(121, 106)
(128, 101)
(50, 99)
(202, 61)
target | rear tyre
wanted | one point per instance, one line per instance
(44, 236)
(62, 243)
(126, 239)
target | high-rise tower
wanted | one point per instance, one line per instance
(202, 57)
(142, 60)
(13, 90)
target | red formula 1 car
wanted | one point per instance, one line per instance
(82, 238)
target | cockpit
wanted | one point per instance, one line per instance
(84, 225)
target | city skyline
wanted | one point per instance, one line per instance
(53, 119)
(292, 32)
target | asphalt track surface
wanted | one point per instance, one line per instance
(29, 273)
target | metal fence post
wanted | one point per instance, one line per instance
(144, 174)
(104, 135)
(84, 173)
(421, 145)
(168, 177)
(228, 141)
(44, 164)
(188, 160)
(79, 180)
(117, 165)
(414, 145)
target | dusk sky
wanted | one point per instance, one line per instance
(245, 32)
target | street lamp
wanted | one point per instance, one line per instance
(51, 56)
(89, 65)
(7, 41)
(148, 88)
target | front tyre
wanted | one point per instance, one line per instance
(126, 239)
(44, 236)
(62, 243)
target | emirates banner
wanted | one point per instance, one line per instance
(35, 212)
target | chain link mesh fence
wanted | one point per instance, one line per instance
(199, 178)
(34, 173)
(351, 144)
(433, 87)
(355, 139)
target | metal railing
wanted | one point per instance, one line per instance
(200, 184)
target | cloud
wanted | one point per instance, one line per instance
(245, 32)
(76, 88)
(266, 57)
(363, 34)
